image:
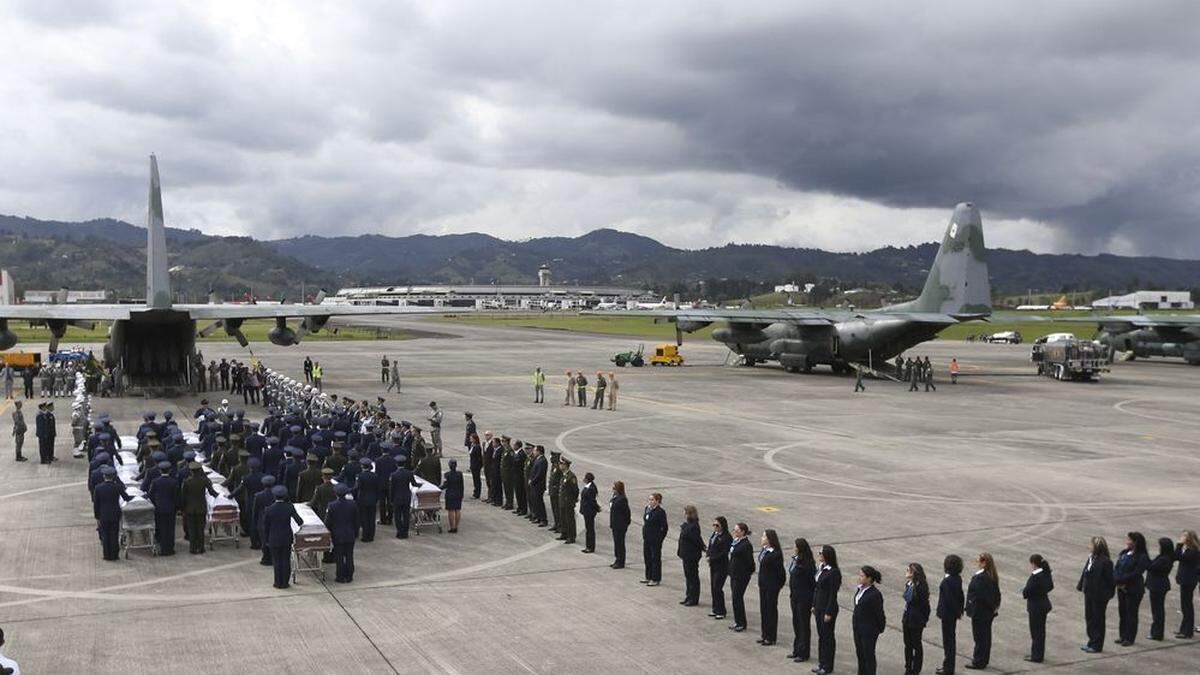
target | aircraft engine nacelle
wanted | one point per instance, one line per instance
(739, 334)
(785, 346)
(8, 339)
(281, 335)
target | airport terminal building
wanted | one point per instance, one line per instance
(489, 296)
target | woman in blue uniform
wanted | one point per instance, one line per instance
(868, 620)
(1129, 574)
(1037, 604)
(1158, 583)
(916, 616)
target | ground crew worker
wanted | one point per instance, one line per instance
(555, 483)
(581, 389)
(914, 375)
(278, 528)
(858, 379)
(9, 376)
(508, 478)
(108, 511)
(598, 398)
(195, 506)
(18, 429)
(342, 518)
(164, 494)
(953, 371)
(383, 369)
(570, 399)
(317, 373)
(435, 426)
(928, 368)
(612, 391)
(568, 496)
(539, 385)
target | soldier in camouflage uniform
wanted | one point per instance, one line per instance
(568, 496)
(554, 483)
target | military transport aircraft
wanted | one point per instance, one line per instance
(1143, 335)
(957, 289)
(154, 342)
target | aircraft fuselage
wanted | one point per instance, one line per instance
(799, 347)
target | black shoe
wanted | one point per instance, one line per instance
(652, 583)
(767, 643)
(1032, 660)
(643, 581)
(738, 629)
(22, 459)
(618, 567)
(800, 659)
(1151, 637)
(972, 666)
(684, 603)
(690, 604)
(586, 550)
(759, 641)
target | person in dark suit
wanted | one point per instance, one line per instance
(400, 485)
(916, 616)
(258, 505)
(277, 524)
(367, 486)
(825, 607)
(618, 520)
(589, 507)
(654, 531)
(868, 620)
(1187, 554)
(718, 564)
(1129, 575)
(983, 604)
(1037, 604)
(106, 499)
(802, 583)
(537, 487)
(771, 580)
(950, 610)
(690, 551)
(342, 518)
(475, 464)
(1097, 585)
(741, 569)
(453, 489)
(164, 494)
(1158, 583)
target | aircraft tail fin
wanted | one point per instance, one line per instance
(8, 292)
(158, 279)
(958, 280)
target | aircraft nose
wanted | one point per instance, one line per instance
(966, 214)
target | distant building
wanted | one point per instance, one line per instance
(72, 297)
(544, 275)
(795, 288)
(1147, 300)
(501, 296)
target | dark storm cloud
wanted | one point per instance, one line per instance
(1073, 124)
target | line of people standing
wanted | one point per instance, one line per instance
(577, 389)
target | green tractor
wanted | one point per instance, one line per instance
(631, 358)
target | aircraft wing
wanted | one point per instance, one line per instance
(800, 317)
(67, 312)
(214, 312)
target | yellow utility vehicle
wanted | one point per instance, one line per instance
(666, 355)
(21, 359)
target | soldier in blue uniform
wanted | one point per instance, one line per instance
(342, 519)
(400, 485)
(385, 466)
(164, 494)
(106, 500)
(277, 525)
(366, 495)
(258, 506)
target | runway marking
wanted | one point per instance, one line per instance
(767, 509)
(1120, 405)
(42, 489)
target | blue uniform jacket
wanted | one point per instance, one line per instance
(164, 494)
(277, 525)
(342, 521)
(366, 488)
(401, 482)
(107, 501)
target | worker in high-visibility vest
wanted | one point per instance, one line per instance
(539, 385)
(953, 371)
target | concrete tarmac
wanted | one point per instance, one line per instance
(1003, 461)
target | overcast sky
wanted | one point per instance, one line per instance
(1074, 125)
